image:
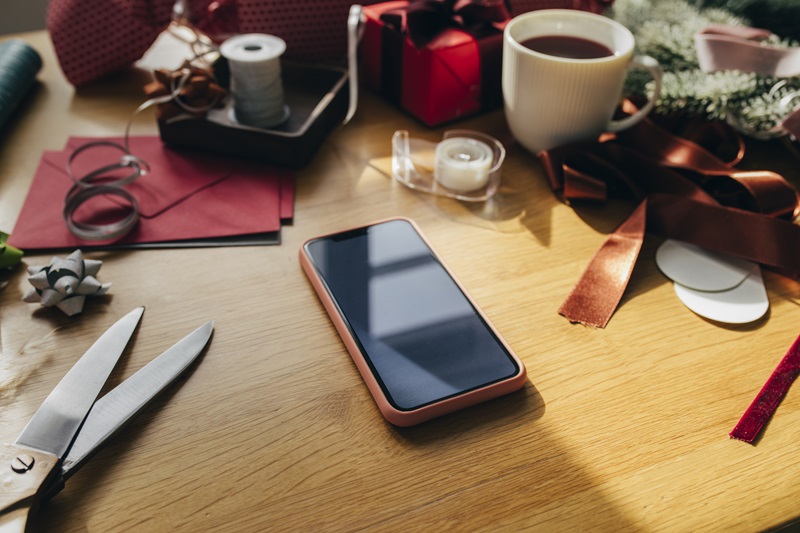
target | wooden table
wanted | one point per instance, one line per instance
(624, 428)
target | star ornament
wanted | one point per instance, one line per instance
(65, 283)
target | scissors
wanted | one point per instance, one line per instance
(72, 424)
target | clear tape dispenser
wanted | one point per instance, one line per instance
(464, 165)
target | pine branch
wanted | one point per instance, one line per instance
(665, 29)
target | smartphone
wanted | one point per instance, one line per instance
(420, 342)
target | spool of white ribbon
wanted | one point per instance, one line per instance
(256, 83)
(463, 164)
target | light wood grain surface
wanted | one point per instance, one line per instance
(618, 429)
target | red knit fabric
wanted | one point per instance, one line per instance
(93, 38)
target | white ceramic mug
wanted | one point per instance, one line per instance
(552, 100)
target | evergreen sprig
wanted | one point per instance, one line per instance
(665, 29)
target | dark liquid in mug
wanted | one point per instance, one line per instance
(567, 46)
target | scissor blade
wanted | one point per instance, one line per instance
(52, 428)
(114, 410)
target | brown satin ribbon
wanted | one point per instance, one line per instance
(685, 192)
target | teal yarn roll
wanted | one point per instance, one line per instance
(19, 64)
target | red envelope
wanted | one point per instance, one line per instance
(187, 199)
(189, 170)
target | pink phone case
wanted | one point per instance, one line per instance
(427, 412)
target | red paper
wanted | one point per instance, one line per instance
(185, 196)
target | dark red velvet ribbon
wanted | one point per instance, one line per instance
(761, 409)
(685, 192)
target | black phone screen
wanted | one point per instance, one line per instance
(421, 336)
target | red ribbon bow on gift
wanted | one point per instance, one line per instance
(425, 19)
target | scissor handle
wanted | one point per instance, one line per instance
(23, 472)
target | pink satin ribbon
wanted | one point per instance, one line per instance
(742, 48)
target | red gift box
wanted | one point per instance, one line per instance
(523, 6)
(442, 73)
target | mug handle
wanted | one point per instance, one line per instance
(652, 66)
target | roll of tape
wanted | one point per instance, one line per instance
(256, 83)
(463, 164)
(19, 64)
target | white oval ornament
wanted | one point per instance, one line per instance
(745, 303)
(700, 269)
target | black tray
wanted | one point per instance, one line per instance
(317, 96)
